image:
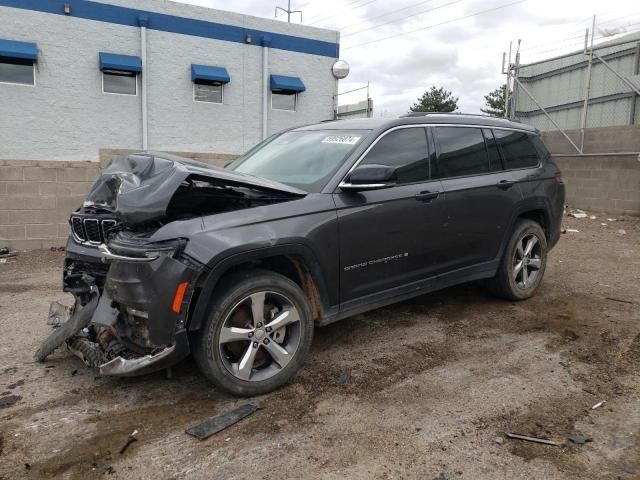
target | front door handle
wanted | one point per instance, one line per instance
(426, 196)
(505, 184)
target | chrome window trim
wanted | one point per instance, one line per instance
(421, 125)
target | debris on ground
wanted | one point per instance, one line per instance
(531, 439)
(579, 439)
(613, 299)
(442, 476)
(603, 224)
(612, 219)
(622, 231)
(80, 319)
(130, 439)
(598, 405)
(572, 230)
(222, 421)
(342, 377)
(577, 213)
(19, 383)
(9, 401)
(592, 217)
(5, 253)
(499, 440)
(58, 314)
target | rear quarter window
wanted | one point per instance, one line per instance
(518, 149)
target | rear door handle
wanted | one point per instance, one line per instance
(505, 184)
(426, 196)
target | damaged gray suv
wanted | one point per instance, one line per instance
(236, 266)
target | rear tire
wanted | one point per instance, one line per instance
(257, 335)
(523, 263)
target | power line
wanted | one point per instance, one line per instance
(385, 14)
(342, 11)
(402, 18)
(438, 24)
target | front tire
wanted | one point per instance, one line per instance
(257, 335)
(523, 263)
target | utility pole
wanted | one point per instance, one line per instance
(288, 11)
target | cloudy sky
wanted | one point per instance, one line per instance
(404, 46)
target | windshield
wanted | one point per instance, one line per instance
(304, 159)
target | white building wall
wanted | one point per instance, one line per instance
(67, 117)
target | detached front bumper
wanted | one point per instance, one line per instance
(139, 323)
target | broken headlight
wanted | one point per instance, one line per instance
(167, 248)
(148, 250)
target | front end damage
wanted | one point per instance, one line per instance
(133, 291)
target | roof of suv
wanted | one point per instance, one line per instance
(413, 119)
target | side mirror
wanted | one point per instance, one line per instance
(369, 177)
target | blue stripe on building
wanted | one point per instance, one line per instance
(132, 17)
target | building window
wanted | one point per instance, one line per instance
(284, 92)
(17, 70)
(121, 83)
(210, 93)
(284, 101)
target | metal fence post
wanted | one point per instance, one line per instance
(585, 106)
(506, 100)
(636, 71)
(516, 82)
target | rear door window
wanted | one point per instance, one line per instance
(495, 162)
(462, 152)
(517, 148)
(406, 150)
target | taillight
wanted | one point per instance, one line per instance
(559, 178)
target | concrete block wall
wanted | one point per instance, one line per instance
(603, 183)
(600, 183)
(36, 198)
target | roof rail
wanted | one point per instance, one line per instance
(424, 114)
(462, 114)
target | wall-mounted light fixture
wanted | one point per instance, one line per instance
(67, 9)
(248, 39)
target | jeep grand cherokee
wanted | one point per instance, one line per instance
(237, 266)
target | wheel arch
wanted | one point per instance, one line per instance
(295, 261)
(537, 210)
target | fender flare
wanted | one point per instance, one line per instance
(220, 267)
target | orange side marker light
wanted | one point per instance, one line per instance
(177, 300)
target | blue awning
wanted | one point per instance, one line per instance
(22, 50)
(122, 63)
(287, 84)
(205, 73)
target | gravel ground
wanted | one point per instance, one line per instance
(423, 389)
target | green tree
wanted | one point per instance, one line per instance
(494, 102)
(436, 100)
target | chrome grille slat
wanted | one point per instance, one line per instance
(77, 229)
(92, 229)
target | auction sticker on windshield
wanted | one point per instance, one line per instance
(341, 139)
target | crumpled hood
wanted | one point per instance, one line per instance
(137, 188)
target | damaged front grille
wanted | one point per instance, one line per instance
(91, 230)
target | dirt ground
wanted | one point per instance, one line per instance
(423, 389)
